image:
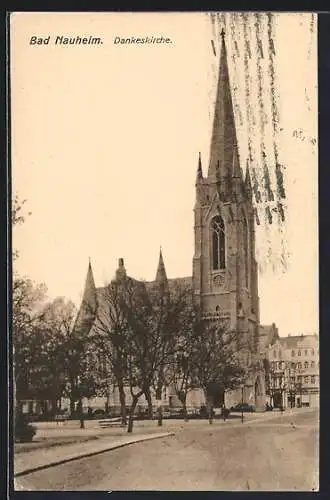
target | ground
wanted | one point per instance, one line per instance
(278, 452)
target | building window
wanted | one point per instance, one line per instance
(274, 354)
(293, 365)
(313, 379)
(306, 380)
(299, 352)
(279, 354)
(306, 352)
(218, 243)
(299, 366)
(312, 364)
(292, 353)
(299, 379)
(306, 364)
(312, 352)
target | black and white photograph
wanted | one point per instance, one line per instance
(165, 287)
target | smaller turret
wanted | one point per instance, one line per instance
(121, 271)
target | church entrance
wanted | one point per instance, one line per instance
(258, 394)
(216, 395)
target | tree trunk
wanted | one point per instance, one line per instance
(81, 414)
(209, 406)
(72, 404)
(147, 394)
(54, 405)
(107, 403)
(131, 413)
(159, 406)
(185, 413)
(122, 399)
(43, 407)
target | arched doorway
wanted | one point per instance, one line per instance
(259, 395)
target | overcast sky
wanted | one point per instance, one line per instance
(105, 146)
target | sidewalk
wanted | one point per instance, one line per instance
(24, 463)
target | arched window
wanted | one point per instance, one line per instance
(292, 353)
(218, 243)
(299, 352)
(246, 249)
(306, 364)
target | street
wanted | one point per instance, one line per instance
(277, 452)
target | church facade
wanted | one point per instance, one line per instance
(224, 277)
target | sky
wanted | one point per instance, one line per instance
(105, 142)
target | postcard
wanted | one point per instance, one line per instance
(164, 171)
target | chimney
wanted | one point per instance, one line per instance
(121, 271)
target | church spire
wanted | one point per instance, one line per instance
(161, 278)
(87, 311)
(199, 168)
(161, 272)
(247, 181)
(224, 141)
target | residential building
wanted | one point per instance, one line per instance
(293, 378)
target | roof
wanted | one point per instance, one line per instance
(296, 341)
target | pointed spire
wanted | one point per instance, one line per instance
(247, 181)
(224, 141)
(199, 168)
(89, 296)
(236, 169)
(161, 272)
(87, 311)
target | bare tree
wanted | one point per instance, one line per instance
(109, 335)
(27, 300)
(215, 360)
(171, 319)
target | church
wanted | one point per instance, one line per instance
(224, 277)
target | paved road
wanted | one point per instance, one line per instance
(279, 453)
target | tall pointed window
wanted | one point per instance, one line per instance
(218, 243)
(246, 249)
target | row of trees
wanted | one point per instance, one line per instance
(126, 334)
(44, 345)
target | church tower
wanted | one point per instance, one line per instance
(224, 267)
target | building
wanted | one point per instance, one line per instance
(224, 272)
(268, 335)
(294, 371)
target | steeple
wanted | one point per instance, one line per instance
(224, 142)
(87, 311)
(161, 279)
(247, 182)
(161, 273)
(199, 169)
